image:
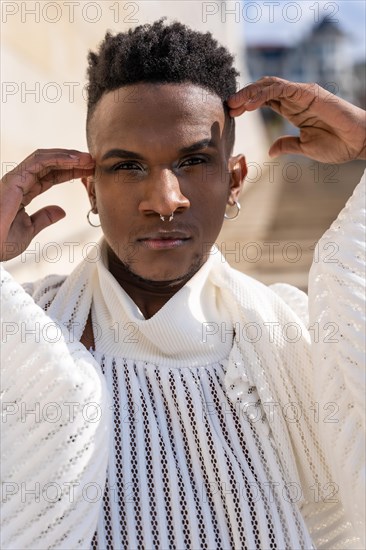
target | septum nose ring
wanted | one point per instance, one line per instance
(170, 217)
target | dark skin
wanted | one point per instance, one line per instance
(331, 130)
(164, 153)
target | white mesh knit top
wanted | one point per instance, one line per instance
(187, 470)
(221, 422)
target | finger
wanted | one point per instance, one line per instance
(41, 163)
(279, 94)
(285, 145)
(55, 153)
(254, 89)
(36, 174)
(45, 217)
(259, 100)
(55, 177)
(21, 186)
(276, 93)
(252, 106)
(238, 111)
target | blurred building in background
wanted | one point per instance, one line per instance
(323, 55)
(359, 83)
(310, 194)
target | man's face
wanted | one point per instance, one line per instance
(161, 149)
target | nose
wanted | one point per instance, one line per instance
(162, 194)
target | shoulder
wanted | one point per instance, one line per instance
(295, 298)
(44, 290)
(276, 297)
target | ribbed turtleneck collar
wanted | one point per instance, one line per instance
(193, 328)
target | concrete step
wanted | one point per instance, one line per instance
(281, 221)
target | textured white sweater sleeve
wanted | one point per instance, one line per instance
(337, 320)
(337, 329)
(54, 458)
(54, 430)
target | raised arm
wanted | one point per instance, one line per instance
(48, 383)
(334, 131)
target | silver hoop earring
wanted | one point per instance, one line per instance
(88, 218)
(237, 204)
(170, 217)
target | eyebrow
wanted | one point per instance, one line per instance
(202, 144)
(124, 153)
(121, 153)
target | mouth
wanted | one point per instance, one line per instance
(165, 240)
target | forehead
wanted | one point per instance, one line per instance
(159, 112)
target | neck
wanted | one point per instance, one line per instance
(149, 296)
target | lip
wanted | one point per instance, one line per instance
(164, 239)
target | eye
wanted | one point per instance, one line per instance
(126, 165)
(193, 161)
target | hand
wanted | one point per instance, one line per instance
(35, 175)
(331, 129)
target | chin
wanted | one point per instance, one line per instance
(173, 274)
(162, 276)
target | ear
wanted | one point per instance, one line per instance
(237, 167)
(89, 185)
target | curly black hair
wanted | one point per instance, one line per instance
(161, 53)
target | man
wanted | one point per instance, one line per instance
(187, 445)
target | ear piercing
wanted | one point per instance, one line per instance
(88, 218)
(237, 204)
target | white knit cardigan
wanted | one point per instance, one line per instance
(56, 411)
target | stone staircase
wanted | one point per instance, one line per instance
(273, 240)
